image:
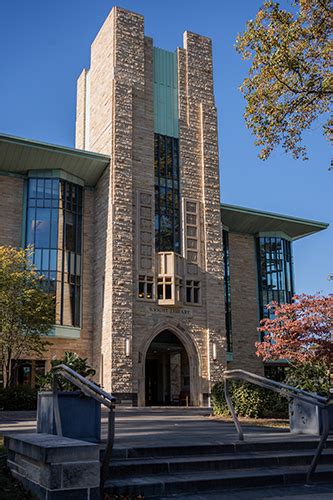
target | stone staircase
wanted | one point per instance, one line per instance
(166, 471)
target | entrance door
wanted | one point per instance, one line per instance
(151, 382)
(167, 380)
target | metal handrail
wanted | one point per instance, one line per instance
(92, 390)
(287, 391)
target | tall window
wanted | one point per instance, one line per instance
(54, 228)
(227, 290)
(71, 218)
(167, 209)
(42, 227)
(275, 272)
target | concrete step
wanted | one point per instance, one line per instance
(164, 485)
(121, 469)
(284, 443)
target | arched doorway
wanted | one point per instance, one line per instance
(167, 371)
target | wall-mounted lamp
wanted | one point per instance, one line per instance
(127, 348)
(214, 351)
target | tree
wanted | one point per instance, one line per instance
(26, 310)
(300, 332)
(290, 83)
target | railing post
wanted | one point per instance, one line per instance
(324, 433)
(108, 451)
(232, 410)
(56, 410)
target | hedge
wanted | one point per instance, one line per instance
(249, 401)
(18, 398)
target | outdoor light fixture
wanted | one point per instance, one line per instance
(214, 351)
(127, 347)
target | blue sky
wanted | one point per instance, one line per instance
(46, 43)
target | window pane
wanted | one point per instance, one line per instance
(48, 188)
(141, 290)
(53, 260)
(32, 188)
(188, 294)
(30, 226)
(40, 188)
(38, 259)
(55, 189)
(42, 227)
(168, 292)
(149, 290)
(45, 260)
(70, 234)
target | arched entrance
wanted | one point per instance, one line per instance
(167, 371)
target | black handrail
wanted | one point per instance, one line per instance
(289, 392)
(92, 390)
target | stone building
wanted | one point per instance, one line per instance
(159, 285)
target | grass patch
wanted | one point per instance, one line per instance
(10, 489)
(277, 423)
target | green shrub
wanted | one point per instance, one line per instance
(249, 401)
(17, 398)
(311, 377)
(73, 361)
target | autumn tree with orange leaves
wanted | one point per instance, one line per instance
(301, 332)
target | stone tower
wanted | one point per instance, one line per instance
(158, 301)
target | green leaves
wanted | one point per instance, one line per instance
(290, 83)
(249, 401)
(72, 360)
(26, 311)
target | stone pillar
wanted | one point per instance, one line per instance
(117, 110)
(200, 182)
(175, 375)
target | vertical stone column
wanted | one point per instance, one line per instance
(200, 181)
(175, 375)
(116, 123)
(80, 111)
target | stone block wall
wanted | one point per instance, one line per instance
(54, 467)
(244, 302)
(11, 206)
(200, 182)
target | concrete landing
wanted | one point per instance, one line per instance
(166, 426)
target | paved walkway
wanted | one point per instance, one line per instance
(159, 427)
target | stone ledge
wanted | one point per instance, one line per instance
(54, 467)
(49, 448)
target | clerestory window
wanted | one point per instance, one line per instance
(167, 197)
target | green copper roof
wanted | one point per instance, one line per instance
(19, 155)
(251, 221)
(165, 70)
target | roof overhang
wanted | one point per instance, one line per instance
(18, 156)
(250, 221)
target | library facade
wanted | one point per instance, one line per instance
(157, 283)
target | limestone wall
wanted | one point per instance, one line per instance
(11, 205)
(244, 302)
